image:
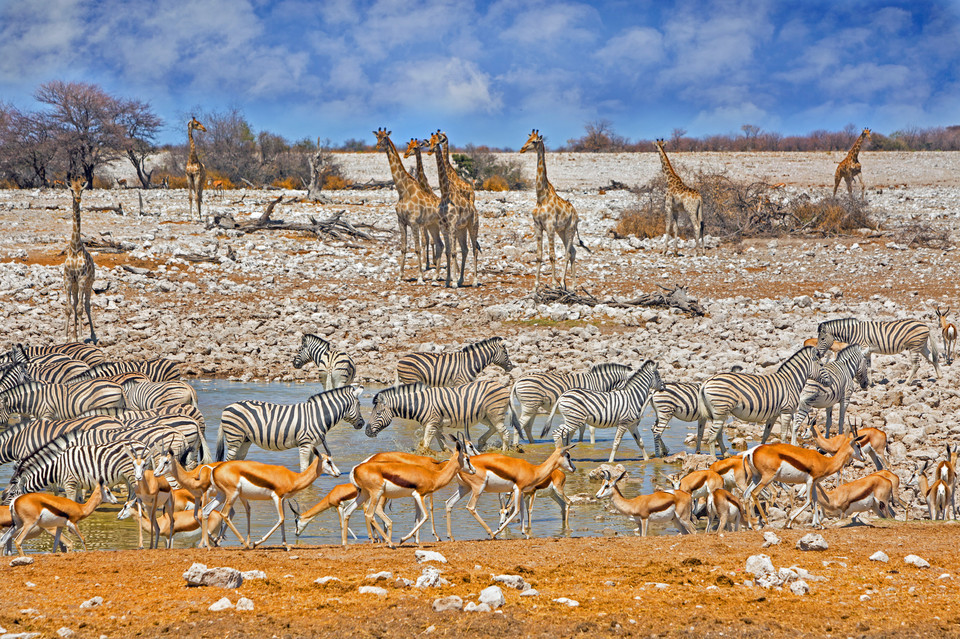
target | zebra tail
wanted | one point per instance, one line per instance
(515, 422)
(934, 351)
(706, 408)
(203, 449)
(553, 412)
(221, 445)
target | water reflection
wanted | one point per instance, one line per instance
(103, 531)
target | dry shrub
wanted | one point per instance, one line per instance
(177, 182)
(334, 183)
(496, 183)
(289, 183)
(103, 183)
(643, 222)
(213, 177)
(831, 216)
(923, 235)
(8, 184)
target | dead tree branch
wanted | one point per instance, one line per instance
(676, 297)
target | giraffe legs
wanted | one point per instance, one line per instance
(87, 292)
(553, 257)
(569, 257)
(536, 285)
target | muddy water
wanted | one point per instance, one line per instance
(349, 447)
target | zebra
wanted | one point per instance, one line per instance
(540, 391)
(156, 370)
(459, 407)
(834, 385)
(59, 401)
(13, 375)
(125, 414)
(886, 338)
(55, 369)
(149, 395)
(91, 355)
(285, 426)
(22, 440)
(757, 398)
(680, 400)
(453, 369)
(620, 408)
(74, 468)
(336, 367)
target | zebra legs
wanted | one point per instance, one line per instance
(621, 429)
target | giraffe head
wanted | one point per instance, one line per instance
(660, 143)
(532, 142)
(441, 136)
(866, 134)
(383, 139)
(195, 124)
(412, 147)
(77, 187)
(436, 141)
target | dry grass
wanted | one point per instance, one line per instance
(642, 222)
(335, 182)
(289, 183)
(496, 183)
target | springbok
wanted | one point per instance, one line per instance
(196, 481)
(339, 497)
(184, 523)
(947, 472)
(251, 481)
(873, 492)
(553, 485)
(661, 505)
(732, 471)
(936, 494)
(6, 521)
(392, 480)
(873, 442)
(496, 473)
(152, 492)
(34, 511)
(949, 333)
(794, 465)
(729, 512)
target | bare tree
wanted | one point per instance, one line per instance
(600, 137)
(322, 166)
(675, 136)
(140, 126)
(29, 149)
(85, 117)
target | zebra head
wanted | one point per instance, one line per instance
(382, 415)
(353, 410)
(609, 484)
(826, 336)
(311, 346)
(500, 356)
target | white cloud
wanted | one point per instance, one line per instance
(632, 50)
(444, 85)
(730, 118)
(553, 27)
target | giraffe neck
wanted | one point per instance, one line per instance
(442, 171)
(855, 149)
(193, 145)
(76, 242)
(446, 154)
(543, 185)
(402, 180)
(421, 176)
(673, 180)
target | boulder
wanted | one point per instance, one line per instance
(492, 596)
(220, 604)
(199, 575)
(453, 602)
(429, 555)
(812, 541)
(758, 565)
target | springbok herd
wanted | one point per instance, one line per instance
(89, 424)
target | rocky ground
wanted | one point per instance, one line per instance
(240, 314)
(693, 586)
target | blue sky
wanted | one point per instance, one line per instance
(489, 72)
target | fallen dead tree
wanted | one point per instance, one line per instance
(334, 226)
(676, 297)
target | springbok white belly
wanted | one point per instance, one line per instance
(862, 505)
(498, 484)
(393, 491)
(49, 520)
(249, 490)
(790, 474)
(664, 515)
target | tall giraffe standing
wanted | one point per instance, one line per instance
(457, 216)
(196, 173)
(553, 215)
(431, 223)
(457, 183)
(78, 273)
(413, 203)
(849, 167)
(680, 197)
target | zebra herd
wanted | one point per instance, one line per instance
(85, 416)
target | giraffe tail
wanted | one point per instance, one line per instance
(580, 242)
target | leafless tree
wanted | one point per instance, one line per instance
(140, 126)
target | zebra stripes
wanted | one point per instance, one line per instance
(74, 468)
(24, 439)
(156, 370)
(680, 400)
(59, 401)
(620, 408)
(91, 355)
(834, 385)
(336, 367)
(55, 369)
(885, 338)
(757, 398)
(453, 369)
(540, 391)
(285, 426)
(13, 375)
(149, 395)
(463, 406)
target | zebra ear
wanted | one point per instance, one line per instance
(357, 390)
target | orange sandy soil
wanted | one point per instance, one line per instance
(145, 595)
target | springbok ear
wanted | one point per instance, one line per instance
(567, 449)
(622, 475)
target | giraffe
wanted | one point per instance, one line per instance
(196, 173)
(431, 223)
(849, 167)
(553, 215)
(682, 197)
(457, 217)
(413, 204)
(78, 273)
(458, 183)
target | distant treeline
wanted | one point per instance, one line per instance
(78, 129)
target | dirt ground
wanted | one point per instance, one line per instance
(656, 586)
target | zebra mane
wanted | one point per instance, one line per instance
(642, 372)
(608, 367)
(850, 352)
(800, 354)
(829, 325)
(313, 336)
(398, 391)
(480, 344)
(343, 390)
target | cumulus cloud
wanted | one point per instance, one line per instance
(445, 85)
(632, 49)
